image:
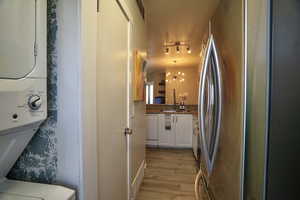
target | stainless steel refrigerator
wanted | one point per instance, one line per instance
(222, 104)
(249, 101)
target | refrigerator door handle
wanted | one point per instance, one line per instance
(211, 74)
(197, 185)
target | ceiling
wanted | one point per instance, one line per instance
(176, 20)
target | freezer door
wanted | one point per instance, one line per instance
(210, 105)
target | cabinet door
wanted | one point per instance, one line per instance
(166, 131)
(152, 127)
(184, 130)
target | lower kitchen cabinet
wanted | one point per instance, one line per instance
(183, 130)
(166, 133)
(173, 130)
(152, 130)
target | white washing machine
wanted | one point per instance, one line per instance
(23, 92)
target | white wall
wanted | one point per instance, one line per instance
(88, 99)
(76, 133)
(189, 86)
(68, 130)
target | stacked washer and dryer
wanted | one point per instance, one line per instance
(23, 93)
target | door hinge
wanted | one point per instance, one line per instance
(128, 131)
(35, 49)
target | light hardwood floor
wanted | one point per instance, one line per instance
(170, 175)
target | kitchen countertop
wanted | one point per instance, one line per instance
(177, 112)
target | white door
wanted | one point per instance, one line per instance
(113, 104)
(184, 130)
(152, 129)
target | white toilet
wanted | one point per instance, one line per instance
(23, 93)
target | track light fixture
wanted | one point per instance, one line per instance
(177, 46)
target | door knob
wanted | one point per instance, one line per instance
(128, 131)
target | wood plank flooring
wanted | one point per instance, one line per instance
(170, 175)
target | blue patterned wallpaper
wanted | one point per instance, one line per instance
(38, 163)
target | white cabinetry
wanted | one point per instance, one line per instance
(184, 130)
(152, 130)
(170, 130)
(166, 131)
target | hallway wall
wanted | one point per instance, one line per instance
(76, 132)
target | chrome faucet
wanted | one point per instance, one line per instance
(174, 96)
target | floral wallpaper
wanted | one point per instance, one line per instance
(38, 163)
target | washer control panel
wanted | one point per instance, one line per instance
(24, 105)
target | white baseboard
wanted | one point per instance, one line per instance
(135, 186)
(152, 143)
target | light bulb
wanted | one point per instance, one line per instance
(177, 49)
(167, 51)
(189, 50)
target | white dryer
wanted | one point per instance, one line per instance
(23, 92)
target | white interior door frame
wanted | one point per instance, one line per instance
(130, 110)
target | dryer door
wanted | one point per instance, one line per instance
(4, 196)
(17, 38)
(210, 105)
